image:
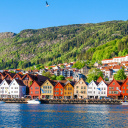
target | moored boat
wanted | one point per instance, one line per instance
(124, 103)
(34, 101)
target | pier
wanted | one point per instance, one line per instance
(63, 101)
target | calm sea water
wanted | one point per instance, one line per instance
(46, 115)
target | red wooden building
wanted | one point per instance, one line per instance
(124, 89)
(113, 89)
(34, 90)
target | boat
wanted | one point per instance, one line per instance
(34, 101)
(2, 102)
(124, 103)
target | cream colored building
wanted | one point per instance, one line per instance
(47, 90)
(80, 89)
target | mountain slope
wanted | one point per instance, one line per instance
(57, 44)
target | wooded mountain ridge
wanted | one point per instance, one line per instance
(61, 44)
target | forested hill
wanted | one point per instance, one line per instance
(61, 44)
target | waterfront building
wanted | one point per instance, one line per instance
(9, 76)
(114, 88)
(59, 90)
(69, 90)
(17, 89)
(47, 90)
(80, 89)
(4, 88)
(102, 89)
(34, 90)
(92, 90)
(2, 75)
(18, 76)
(124, 89)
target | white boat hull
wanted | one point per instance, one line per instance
(33, 102)
(124, 103)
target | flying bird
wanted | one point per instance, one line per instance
(47, 5)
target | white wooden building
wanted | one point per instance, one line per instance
(92, 90)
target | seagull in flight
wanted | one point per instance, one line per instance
(47, 5)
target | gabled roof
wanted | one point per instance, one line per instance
(32, 77)
(100, 79)
(10, 74)
(39, 83)
(18, 75)
(20, 82)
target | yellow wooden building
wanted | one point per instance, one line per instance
(68, 91)
(47, 90)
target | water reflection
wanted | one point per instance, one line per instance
(24, 115)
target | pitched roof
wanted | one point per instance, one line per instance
(20, 82)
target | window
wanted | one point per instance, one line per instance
(104, 92)
(11, 91)
(81, 87)
(31, 92)
(94, 92)
(110, 88)
(99, 92)
(31, 87)
(77, 86)
(89, 91)
(123, 91)
(117, 88)
(127, 91)
(76, 91)
(113, 83)
(84, 87)
(36, 92)
(109, 92)
(50, 87)
(15, 91)
(57, 92)
(127, 83)
(104, 88)
(127, 87)
(123, 87)
(57, 89)
(115, 92)
(50, 91)
(36, 87)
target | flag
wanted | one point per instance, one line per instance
(42, 90)
(118, 89)
(23, 90)
(99, 89)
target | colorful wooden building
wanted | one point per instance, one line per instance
(80, 89)
(59, 90)
(47, 90)
(124, 89)
(114, 89)
(34, 90)
(69, 90)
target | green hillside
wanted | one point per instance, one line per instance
(63, 44)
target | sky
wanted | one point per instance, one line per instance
(17, 15)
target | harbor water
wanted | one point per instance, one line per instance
(63, 115)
